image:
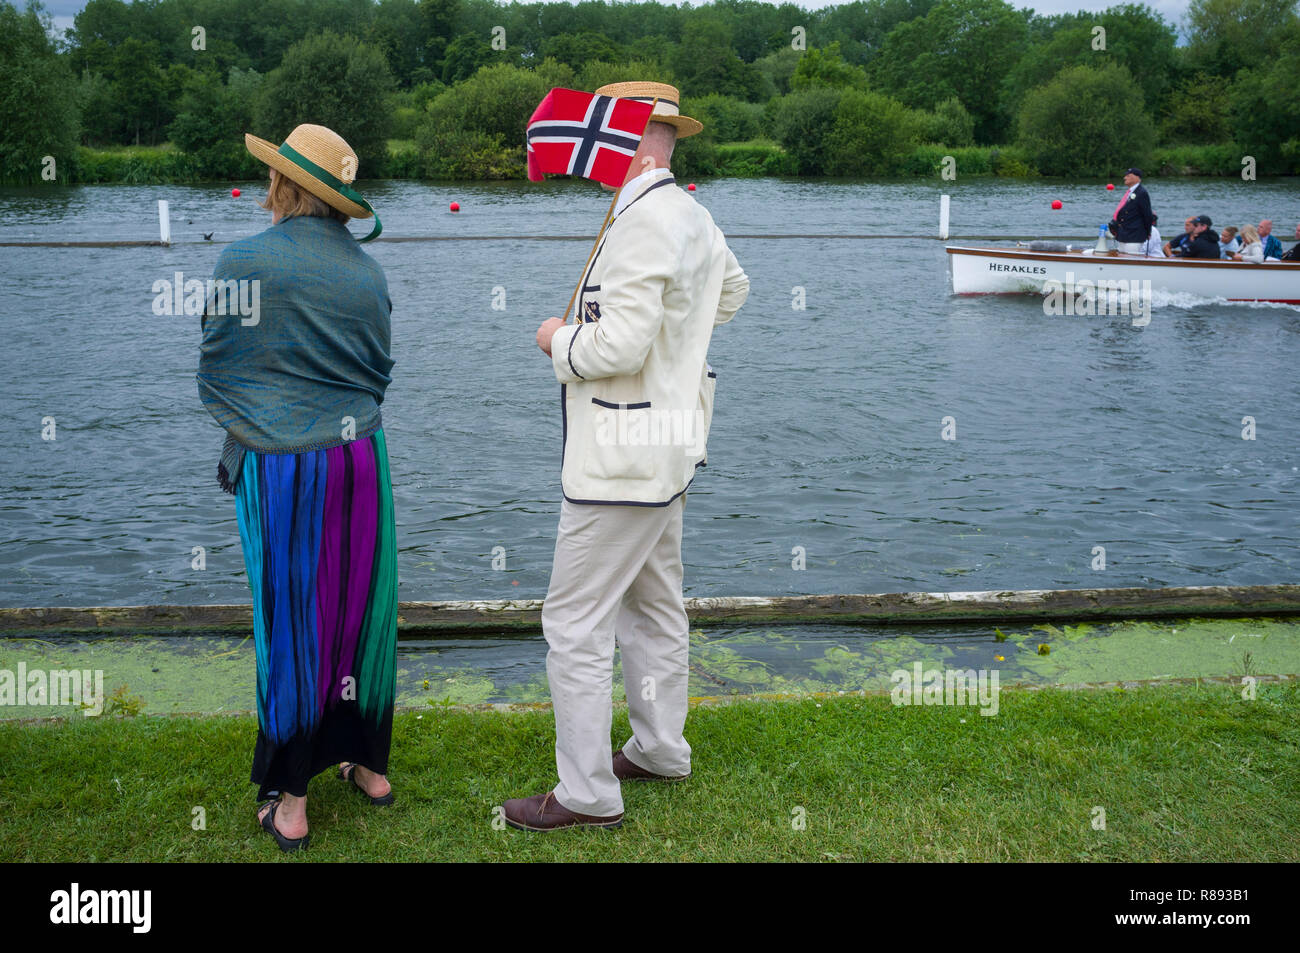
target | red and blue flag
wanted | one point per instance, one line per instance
(577, 133)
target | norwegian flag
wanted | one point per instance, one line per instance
(577, 133)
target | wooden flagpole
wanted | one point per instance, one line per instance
(603, 225)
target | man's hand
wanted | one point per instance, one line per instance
(546, 332)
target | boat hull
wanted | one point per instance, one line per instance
(991, 270)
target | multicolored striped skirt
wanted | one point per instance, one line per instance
(320, 549)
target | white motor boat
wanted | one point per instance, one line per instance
(1043, 267)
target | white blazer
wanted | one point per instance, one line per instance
(637, 392)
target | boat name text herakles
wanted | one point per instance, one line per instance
(1019, 269)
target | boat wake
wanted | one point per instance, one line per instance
(1186, 300)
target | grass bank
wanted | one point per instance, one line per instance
(1184, 773)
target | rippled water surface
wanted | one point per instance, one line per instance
(1072, 432)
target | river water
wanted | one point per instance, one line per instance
(1072, 432)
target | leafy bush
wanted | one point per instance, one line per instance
(37, 98)
(962, 48)
(756, 158)
(871, 136)
(778, 68)
(404, 160)
(949, 124)
(447, 152)
(1265, 108)
(334, 81)
(212, 120)
(1088, 120)
(495, 102)
(802, 122)
(135, 165)
(928, 160)
(1012, 163)
(826, 67)
(1197, 111)
(726, 118)
(1198, 160)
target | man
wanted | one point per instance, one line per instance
(637, 400)
(1204, 241)
(1272, 247)
(1152, 247)
(1131, 223)
(1229, 243)
(1293, 253)
(1175, 243)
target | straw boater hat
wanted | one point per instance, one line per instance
(321, 162)
(667, 109)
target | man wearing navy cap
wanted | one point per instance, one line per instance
(1131, 223)
(1204, 242)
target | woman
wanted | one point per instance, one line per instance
(1252, 249)
(297, 386)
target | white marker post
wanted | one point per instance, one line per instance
(164, 223)
(944, 203)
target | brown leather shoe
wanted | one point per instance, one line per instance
(542, 812)
(625, 770)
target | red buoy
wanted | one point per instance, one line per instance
(1110, 186)
(234, 193)
(691, 187)
(455, 206)
(1056, 204)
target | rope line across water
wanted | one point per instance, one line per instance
(565, 238)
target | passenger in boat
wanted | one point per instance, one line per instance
(1229, 243)
(1204, 242)
(1252, 249)
(1179, 241)
(1131, 223)
(1293, 253)
(1151, 248)
(1272, 247)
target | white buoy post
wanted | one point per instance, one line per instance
(164, 223)
(944, 203)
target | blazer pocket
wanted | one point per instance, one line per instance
(620, 442)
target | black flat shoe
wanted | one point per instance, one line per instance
(287, 844)
(347, 772)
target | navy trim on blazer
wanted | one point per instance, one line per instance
(570, 354)
(582, 297)
(666, 180)
(643, 405)
(666, 502)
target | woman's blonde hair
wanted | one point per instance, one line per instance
(1249, 234)
(286, 198)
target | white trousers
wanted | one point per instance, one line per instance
(617, 575)
(1130, 248)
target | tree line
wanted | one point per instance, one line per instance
(442, 88)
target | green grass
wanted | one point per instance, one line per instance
(1184, 773)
